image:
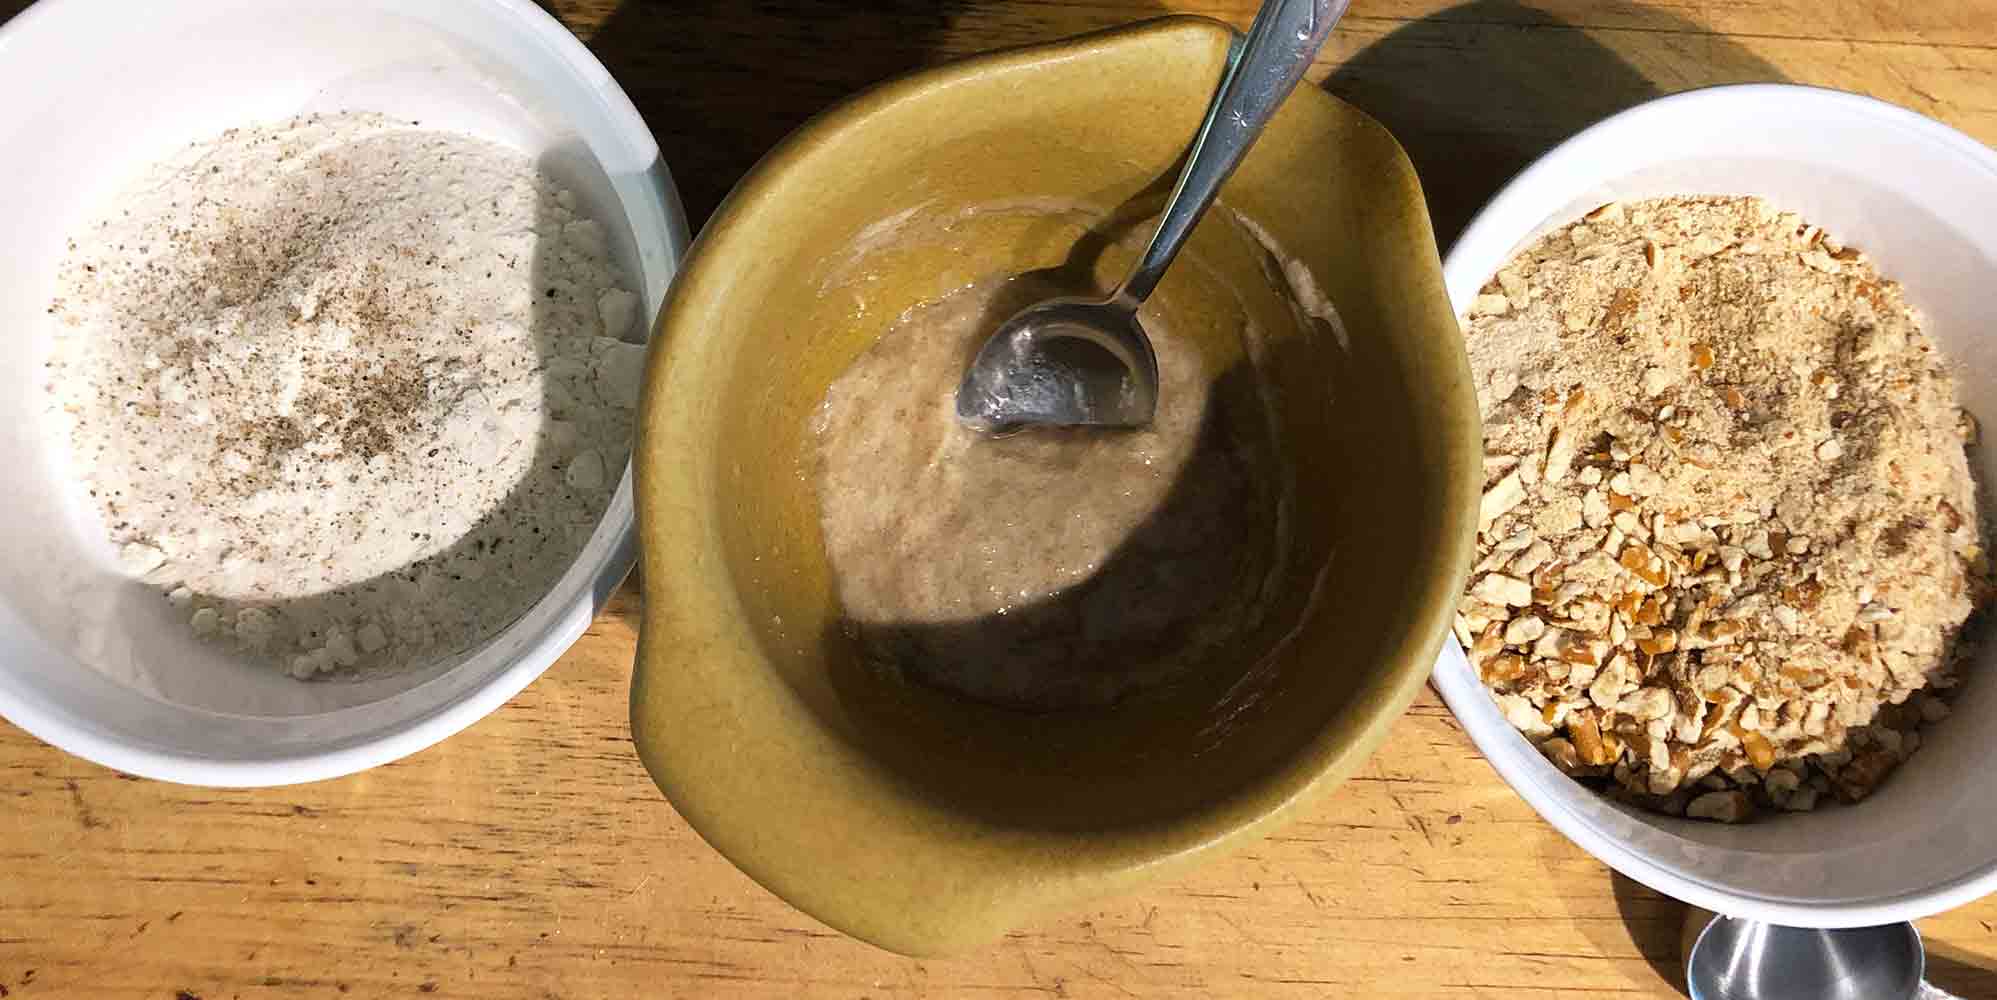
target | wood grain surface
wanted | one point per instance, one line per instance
(529, 857)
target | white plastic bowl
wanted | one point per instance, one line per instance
(1921, 199)
(97, 90)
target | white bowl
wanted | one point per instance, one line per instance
(97, 90)
(1921, 199)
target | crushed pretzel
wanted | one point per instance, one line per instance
(1729, 535)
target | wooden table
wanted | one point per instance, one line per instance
(529, 857)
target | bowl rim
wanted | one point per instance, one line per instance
(73, 735)
(1500, 229)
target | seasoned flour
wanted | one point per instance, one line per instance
(351, 392)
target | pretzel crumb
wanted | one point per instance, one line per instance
(1729, 536)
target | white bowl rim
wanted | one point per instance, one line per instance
(430, 728)
(1493, 234)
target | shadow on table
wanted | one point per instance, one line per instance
(1646, 923)
(1959, 972)
(1478, 91)
(722, 81)
(1653, 921)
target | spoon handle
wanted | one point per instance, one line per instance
(1266, 67)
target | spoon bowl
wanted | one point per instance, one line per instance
(1077, 362)
(1066, 361)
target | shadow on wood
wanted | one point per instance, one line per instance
(1960, 972)
(1478, 91)
(720, 82)
(1645, 926)
(1653, 921)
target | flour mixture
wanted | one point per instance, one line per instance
(351, 392)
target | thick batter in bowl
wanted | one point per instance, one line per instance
(907, 814)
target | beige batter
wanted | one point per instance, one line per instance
(1051, 568)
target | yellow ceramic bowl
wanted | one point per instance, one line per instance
(926, 823)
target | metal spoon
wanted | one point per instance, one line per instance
(1078, 361)
(1748, 960)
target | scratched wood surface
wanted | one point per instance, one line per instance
(529, 857)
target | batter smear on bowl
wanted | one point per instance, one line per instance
(350, 392)
(1055, 568)
(1729, 535)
